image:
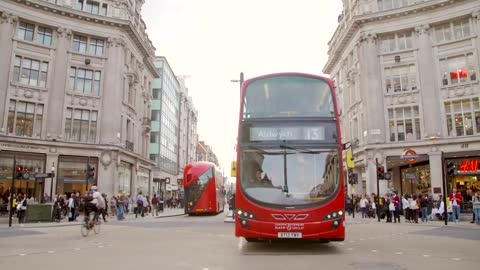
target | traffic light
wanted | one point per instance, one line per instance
(90, 172)
(380, 173)
(19, 171)
(450, 169)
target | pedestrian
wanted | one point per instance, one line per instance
(363, 206)
(476, 207)
(21, 207)
(139, 201)
(456, 199)
(396, 203)
(406, 207)
(155, 205)
(424, 207)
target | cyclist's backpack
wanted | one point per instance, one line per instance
(88, 197)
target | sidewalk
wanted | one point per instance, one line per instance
(431, 223)
(168, 212)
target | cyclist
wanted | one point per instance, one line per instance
(92, 201)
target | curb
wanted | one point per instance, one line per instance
(54, 225)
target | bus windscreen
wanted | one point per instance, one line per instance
(288, 96)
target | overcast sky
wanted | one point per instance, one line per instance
(212, 41)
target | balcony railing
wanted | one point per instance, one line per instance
(129, 145)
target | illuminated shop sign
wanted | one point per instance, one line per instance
(468, 165)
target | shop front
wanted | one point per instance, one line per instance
(465, 179)
(416, 179)
(143, 181)
(73, 172)
(125, 178)
(29, 185)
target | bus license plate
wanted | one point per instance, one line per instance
(289, 235)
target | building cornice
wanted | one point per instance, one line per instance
(146, 48)
(348, 29)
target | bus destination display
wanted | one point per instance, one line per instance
(300, 133)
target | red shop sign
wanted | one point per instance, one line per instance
(468, 165)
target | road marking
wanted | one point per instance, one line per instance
(456, 259)
(371, 238)
(100, 246)
(76, 249)
(351, 241)
(22, 254)
(374, 250)
(349, 248)
(361, 239)
(399, 253)
(426, 256)
(51, 251)
(340, 243)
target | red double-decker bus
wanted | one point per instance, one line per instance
(290, 180)
(204, 190)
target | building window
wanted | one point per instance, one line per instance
(80, 5)
(92, 7)
(458, 69)
(400, 79)
(156, 115)
(463, 117)
(84, 81)
(131, 94)
(397, 42)
(96, 47)
(103, 11)
(154, 137)
(30, 72)
(80, 125)
(154, 157)
(80, 44)
(25, 31)
(404, 124)
(91, 45)
(452, 31)
(25, 119)
(391, 4)
(44, 36)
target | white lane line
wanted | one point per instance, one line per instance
(100, 246)
(374, 250)
(399, 253)
(456, 259)
(426, 256)
(340, 243)
(76, 249)
(351, 241)
(51, 251)
(22, 254)
(349, 248)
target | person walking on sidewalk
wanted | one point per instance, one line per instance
(140, 200)
(476, 207)
(155, 205)
(21, 208)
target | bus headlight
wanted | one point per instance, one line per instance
(334, 215)
(245, 214)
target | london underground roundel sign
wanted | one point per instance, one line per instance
(410, 156)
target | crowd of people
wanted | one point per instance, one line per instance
(414, 207)
(71, 205)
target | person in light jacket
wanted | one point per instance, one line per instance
(476, 207)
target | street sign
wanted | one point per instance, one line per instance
(411, 176)
(410, 156)
(43, 175)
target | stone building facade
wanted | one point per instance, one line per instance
(406, 76)
(75, 95)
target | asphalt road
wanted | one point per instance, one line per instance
(207, 243)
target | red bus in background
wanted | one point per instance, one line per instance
(204, 190)
(290, 182)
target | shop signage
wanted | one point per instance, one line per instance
(469, 165)
(410, 156)
(16, 146)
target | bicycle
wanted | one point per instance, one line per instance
(91, 222)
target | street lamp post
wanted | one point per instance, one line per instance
(239, 81)
(51, 183)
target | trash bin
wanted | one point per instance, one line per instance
(160, 206)
(39, 213)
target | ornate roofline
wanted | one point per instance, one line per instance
(341, 39)
(147, 49)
